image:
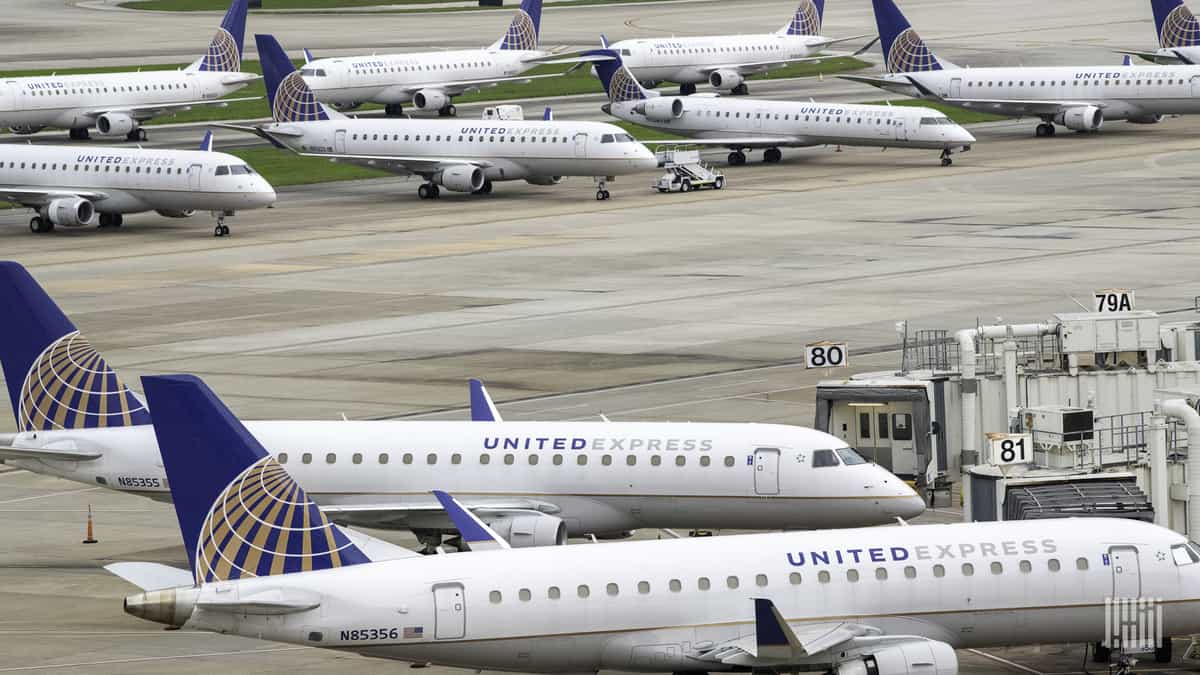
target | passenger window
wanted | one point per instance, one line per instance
(356, 458)
(824, 458)
(643, 587)
(1053, 565)
(494, 597)
(581, 460)
(1026, 567)
(939, 571)
(283, 458)
(553, 593)
(703, 583)
(431, 458)
(383, 458)
(485, 458)
(675, 585)
(509, 459)
(583, 591)
(407, 458)
(910, 572)
(557, 460)
(612, 589)
(456, 458)
(1081, 564)
(823, 577)
(732, 582)
(852, 575)
(968, 570)
(330, 458)
(606, 460)
(705, 460)
(760, 580)
(881, 574)
(729, 460)
(524, 595)
(533, 459)
(680, 460)
(997, 568)
(655, 460)
(794, 578)
(306, 458)
(631, 460)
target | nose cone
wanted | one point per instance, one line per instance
(645, 158)
(962, 136)
(264, 195)
(900, 499)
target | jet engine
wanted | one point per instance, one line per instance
(70, 211)
(532, 529)
(725, 79)
(115, 124)
(430, 99)
(662, 109)
(462, 178)
(27, 129)
(1083, 118)
(544, 180)
(1152, 118)
(187, 213)
(915, 656)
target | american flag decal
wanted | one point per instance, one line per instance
(414, 632)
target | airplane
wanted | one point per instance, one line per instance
(539, 482)
(264, 562)
(725, 61)
(459, 156)
(744, 123)
(77, 187)
(1178, 35)
(431, 80)
(116, 104)
(1080, 98)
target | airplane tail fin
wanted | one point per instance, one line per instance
(903, 50)
(224, 53)
(240, 513)
(548, 114)
(1177, 26)
(619, 83)
(483, 409)
(522, 33)
(308, 56)
(806, 20)
(287, 93)
(56, 379)
(207, 142)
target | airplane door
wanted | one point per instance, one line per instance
(339, 141)
(901, 129)
(581, 145)
(956, 87)
(758, 118)
(450, 620)
(1196, 86)
(195, 172)
(766, 471)
(1126, 572)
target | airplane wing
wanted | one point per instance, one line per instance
(146, 112)
(735, 141)
(39, 196)
(268, 136)
(456, 87)
(1173, 58)
(778, 63)
(475, 505)
(400, 164)
(62, 454)
(1018, 107)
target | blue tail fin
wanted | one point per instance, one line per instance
(56, 379)
(206, 143)
(1177, 26)
(619, 83)
(522, 33)
(482, 407)
(807, 19)
(903, 50)
(288, 95)
(548, 114)
(225, 51)
(240, 512)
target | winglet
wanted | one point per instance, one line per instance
(483, 409)
(206, 144)
(308, 57)
(603, 41)
(1127, 61)
(548, 114)
(475, 533)
(774, 637)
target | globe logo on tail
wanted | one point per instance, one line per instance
(70, 386)
(806, 20)
(522, 34)
(263, 524)
(908, 54)
(222, 56)
(622, 87)
(1179, 29)
(295, 102)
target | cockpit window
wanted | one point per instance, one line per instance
(626, 52)
(606, 138)
(935, 120)
(240, 170)
(823, 458)
(624, 138)
(223, 170)
(850, 457)
(312, 72)
(1185, 555)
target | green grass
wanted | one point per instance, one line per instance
(957, 114)
(282, 167)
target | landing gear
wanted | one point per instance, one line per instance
(1044, 129)
(111, 220)
(448, 110)
(79, 134)
(40, 225)
(1164, 651)
(741, 90)
(946, 160)
(221, 230)
(393, 110)
(601, 190)
(737, 158)
(772, 155)
(485, 189)
(428, 191)
(687, 89)
(138, 135)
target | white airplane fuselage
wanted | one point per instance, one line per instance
(687, 604)
(72, 101)
(133, 180)
(507, 150)
(689, 60)
(809, 123)
(597, 477)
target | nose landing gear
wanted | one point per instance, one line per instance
(602, 193)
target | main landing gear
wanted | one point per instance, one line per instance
(448, 110)
(687, 89)
(137, 135)
(602, 193)
(737, 158)
(393, 110)
(221, 230)
(1044, 129)
(113, 220)
(79, 134)
(772, 155)
(40, 225)
(741, 90)
(428, 191)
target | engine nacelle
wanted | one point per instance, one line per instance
(534, 529)
(725, 79)
(115, 124)
(1083, 118)
(463, 178)
(188, 213)
(662, 108)
(927, 657)
(1152, 118)
(70, 211)
(430, 99)
(25, 129)
(544, 180)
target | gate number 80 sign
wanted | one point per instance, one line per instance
(825, 355)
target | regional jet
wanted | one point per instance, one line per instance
(725, 61)
(83, 186)
(537, 482)
(117, 104)
(1079, 98)
(741, 124)
(462, 156)
(1178, 34)
(265, 563)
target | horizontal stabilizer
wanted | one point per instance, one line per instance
(475, 533)
(64, 454)
(150, 576)
(731, 142)
(269, 601)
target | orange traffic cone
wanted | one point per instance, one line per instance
(90, 539)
